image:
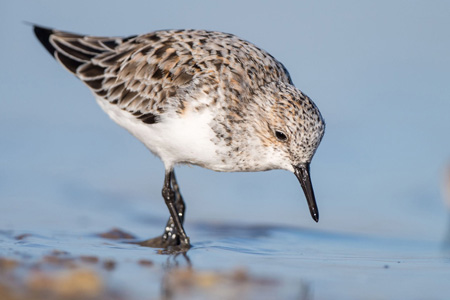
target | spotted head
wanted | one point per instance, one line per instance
(291, 128)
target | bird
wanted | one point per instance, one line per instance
(197, 97)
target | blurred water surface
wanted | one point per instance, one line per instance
(378, 71)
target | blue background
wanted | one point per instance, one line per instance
(378, 70)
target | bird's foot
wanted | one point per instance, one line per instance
(171, 243)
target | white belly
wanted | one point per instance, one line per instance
(175, 138)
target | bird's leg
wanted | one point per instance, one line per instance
(170, 233)
(179, 202)
(174, 234)
(174, 230)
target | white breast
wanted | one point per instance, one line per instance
(175, 138)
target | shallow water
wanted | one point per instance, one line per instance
(289, 262)
(393, 252)
(68, 173)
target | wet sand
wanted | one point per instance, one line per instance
(59, 274)
(69, 174)
(241, 262)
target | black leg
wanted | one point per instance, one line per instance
(170, 235)
(174, 234)
(169, 195)
(179, 202)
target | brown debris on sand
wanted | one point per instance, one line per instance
(56, 275)
(117, 234)
(237, 284)
(81, 283)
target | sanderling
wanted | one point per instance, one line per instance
(197, 97)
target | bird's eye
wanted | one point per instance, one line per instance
(280, 136)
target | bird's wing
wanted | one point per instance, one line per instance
(137, 73)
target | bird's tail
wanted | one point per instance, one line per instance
(87, 57)
(72, 50)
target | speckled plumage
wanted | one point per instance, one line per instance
(196, 97)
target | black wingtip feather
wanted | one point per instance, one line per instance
(43, 34)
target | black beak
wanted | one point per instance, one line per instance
(302, 173)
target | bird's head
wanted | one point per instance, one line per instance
(291, 130)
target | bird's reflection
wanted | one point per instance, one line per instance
(178, 260)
